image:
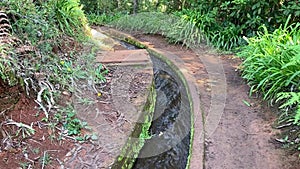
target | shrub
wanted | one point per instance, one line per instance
(225, 22)
(272, 61)
(28, 58)
(102, 19)
(70, 17)
(272, 66)
(292, 104)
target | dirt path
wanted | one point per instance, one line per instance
(242, 137)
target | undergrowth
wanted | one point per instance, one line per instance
(271, 65)
(103, 19)
(40, 52)
(175, 29)
(224, 36)
(225, 22)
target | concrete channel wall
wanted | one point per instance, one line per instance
(196, 155)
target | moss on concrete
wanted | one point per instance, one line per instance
(137, 139)
(124, 37)
(185, 83)
(175, 68)
(131, 40)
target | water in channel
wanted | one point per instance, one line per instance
(169, 145)
(170, 129)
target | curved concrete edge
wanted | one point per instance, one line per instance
(124, 37)
(120, 144)
(196, 155)
(140, 133)
(103, 41)
(121, 147)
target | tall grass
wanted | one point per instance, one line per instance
(272, 61)
(272, 67)
(175, 29)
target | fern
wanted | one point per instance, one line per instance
(70, 16)
(291, 99)
(5, 30)
(297, 116)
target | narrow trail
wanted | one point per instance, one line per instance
(244, 134)
(238, 136)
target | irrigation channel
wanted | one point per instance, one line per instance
(169, 145)
(225, 132)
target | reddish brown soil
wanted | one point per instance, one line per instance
(28, 152)
(16, 151)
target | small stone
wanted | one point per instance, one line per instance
(66, 93)
(39, 34)
(70, 152)
(94, 137)
(67, 159)
(200, 81)
(160, 133)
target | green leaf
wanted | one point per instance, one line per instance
(246, 103)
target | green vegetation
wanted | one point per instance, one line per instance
(265, 38)
(225, 22)
(272, 62)
(272, 67)
(292, 101)
(103, 19)
(70, 17)
(45, 160)
(66, 117)
(128, 6)
(40, 41)
(39, 51)
(222, 23)
(24, 165)
(23, 129)
(176, 30)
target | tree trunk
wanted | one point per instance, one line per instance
(183, 4)
(119, 3)
(135, 6)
